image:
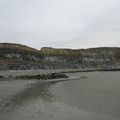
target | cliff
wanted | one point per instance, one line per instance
(15, 56)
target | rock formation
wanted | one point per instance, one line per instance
(15, 56)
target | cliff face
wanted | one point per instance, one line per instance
(18, 53)
(15, 56)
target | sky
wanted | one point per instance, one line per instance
(60, 23)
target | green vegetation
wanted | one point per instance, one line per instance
(43, 76)
(15, 53)
(18, 51)
(59, 52)
(46, 51)
(16, 48)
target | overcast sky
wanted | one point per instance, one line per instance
(60, 23)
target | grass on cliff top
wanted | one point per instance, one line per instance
(48, 51)
(17, 48)
(43, 76)
(6, 48)
(59, 52)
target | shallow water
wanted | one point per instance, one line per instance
(95, 98)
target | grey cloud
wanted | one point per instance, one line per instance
(60, 23)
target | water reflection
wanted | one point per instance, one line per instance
(38, 90)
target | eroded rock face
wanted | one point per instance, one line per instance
(20, 57)
(82, 59)
(23, 57)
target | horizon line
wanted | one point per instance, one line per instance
(58, 47)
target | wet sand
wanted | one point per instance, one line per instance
(96, 97)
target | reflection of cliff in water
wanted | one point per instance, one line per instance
(34, 91)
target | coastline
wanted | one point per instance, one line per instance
(13, 74)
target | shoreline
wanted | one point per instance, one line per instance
(14, 74)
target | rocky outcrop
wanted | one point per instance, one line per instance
(15, 56)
